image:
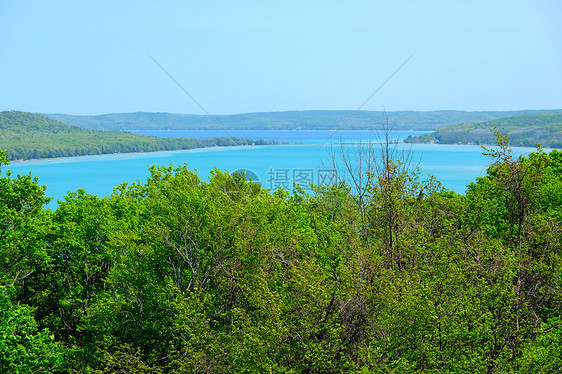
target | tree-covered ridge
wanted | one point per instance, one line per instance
(524, 130)
(292, 120)
(23, 121)
(31, 136)
(178, 274)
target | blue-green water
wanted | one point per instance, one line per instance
(454, 165)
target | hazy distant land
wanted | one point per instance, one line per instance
(292, 120)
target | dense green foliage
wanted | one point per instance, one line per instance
(182, 275)
(524, 130)
(22, 348)
(303, 120)
(31, 136)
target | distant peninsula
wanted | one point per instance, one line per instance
(290, 120)
(32, 136)
(35, 136)
(524, 130)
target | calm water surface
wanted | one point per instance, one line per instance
(454, 165)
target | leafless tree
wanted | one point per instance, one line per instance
(369, 164)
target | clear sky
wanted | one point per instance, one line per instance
(93, 57)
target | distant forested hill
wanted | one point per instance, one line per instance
(296, 120)
(524, 130)
(31, 136)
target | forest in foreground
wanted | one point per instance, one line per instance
(396, 275)
(28, 136)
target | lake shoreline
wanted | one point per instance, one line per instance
(207, 149)
(141, 152)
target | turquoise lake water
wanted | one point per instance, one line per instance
(454, 165)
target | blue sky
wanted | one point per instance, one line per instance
(93, 57)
